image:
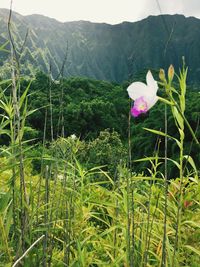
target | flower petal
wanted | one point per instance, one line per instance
(151, 83)
(136, 90)
(134, 112)
(152, 101)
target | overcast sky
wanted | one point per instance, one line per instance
(110, 11)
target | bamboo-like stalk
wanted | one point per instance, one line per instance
(164, 253)
(5, 239)
(67, 234)
(53, 205)
(152, 221)
(41, 174)
(50, 105)
(178, 220)
(41, 170)
(61, 113)
(128, 219)
(147, 229)
(180, 126)
(133, 224)
(69, 209)
(12, 126)
(18, 132)
(46, 216)
(66, 220)
(117, 187)
(47, 243)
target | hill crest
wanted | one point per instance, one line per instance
(104, 51)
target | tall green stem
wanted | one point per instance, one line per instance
(163, 261)
(180, 125)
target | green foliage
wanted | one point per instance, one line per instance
(87, 106)
(87, 223)
(106, 150)
(143, 142)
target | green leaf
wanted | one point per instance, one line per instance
(2, 47)
(23, 97)
(191, 161)
(178, 117)
(196, 251)
(163, 134)
(195, 224)
(165, 101)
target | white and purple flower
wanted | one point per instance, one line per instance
(144, 95)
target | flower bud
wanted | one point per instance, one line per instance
(187, 203)
(162, 75)
(171, 73)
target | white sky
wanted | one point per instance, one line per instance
(110, 11)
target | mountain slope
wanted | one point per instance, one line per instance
(103, 51)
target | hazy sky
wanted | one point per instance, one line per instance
(110, 11)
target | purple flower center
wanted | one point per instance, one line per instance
(140, 106)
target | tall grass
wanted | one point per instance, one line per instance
(83, 225)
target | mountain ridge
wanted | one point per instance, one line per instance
(105, 51)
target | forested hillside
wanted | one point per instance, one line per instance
(86, 107)
(103, 51)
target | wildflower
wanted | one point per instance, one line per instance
(73, 136)
(144, 95)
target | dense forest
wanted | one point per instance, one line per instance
(87, 108)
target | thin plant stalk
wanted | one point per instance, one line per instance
(50, 105)
(128, 232)
(17, 126)
(180, 125)
(42, 168)
(46, 216)
(133, 224)
(164, 252)
(147, 228)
